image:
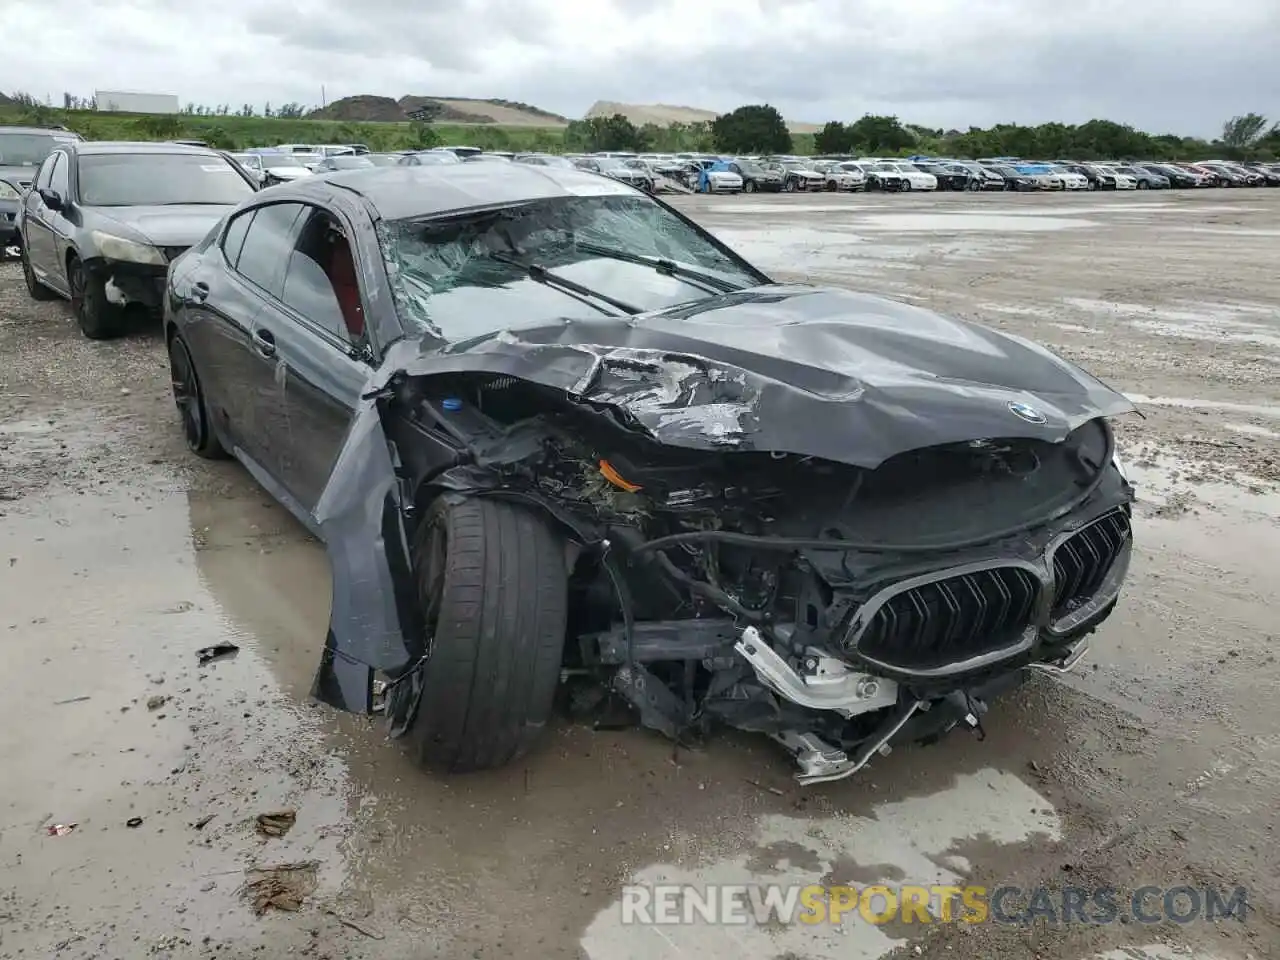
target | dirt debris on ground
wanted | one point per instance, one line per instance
(1157, 762)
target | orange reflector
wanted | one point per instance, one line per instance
(615, 478)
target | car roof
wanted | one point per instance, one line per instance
(91, 147)
(51, 131)
(403, 192)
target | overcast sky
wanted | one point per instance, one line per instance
(1163, 65)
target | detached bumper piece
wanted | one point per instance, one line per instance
(928, 653)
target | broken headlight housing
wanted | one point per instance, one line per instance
(124, 249)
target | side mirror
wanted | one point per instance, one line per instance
(52, 199)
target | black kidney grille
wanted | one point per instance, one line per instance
(953, 619)
(1081, 562)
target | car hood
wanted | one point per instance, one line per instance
(813, 371)
(167, 226)
(15, 174)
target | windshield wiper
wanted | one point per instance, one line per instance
(696, 278)
(540, 274)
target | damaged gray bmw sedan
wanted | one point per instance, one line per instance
(556, 436)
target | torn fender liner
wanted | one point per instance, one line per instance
(359, 518)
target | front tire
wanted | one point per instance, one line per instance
(1143, 185)
(99, 318)
(494, 593)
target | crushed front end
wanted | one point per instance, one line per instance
(837, 609)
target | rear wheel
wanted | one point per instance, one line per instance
(494, 593)
(99, 318)
(37, 289)
(188, 397)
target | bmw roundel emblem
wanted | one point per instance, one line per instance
(1024, 411)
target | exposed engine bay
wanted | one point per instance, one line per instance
(835, 608)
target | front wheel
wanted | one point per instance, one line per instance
(493, 588)
(904, 186)
(749, 187)
(789, 186)
(1143, 185)
(98, 317)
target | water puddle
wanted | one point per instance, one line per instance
(839, 250)
(1187, 403)
(913, 841)
(975, 222)
(787, 209)
(1229, 231)
(1221, 323)
(1156, 951)
(1252, 430)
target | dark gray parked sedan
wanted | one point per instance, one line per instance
(550, 430)
(102, 221)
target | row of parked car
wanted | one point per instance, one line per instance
(704, 173)
(708, 174)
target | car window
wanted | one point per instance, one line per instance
(27, 149)
(46, 172)
(145, 179)
(265, 251)
(59, 181)
(233, 239)
(320, 282)
(461, 276)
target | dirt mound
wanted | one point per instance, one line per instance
(362, 107)
(369, 108)
(665, 114)
(443, 111)
(505, 112)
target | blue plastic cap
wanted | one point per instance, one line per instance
(452, 403)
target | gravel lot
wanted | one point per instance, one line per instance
(1158, 763)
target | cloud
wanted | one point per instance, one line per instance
(1162, 65)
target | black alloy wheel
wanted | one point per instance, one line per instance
(188, 397)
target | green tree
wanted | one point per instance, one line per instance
(756, 128)
(1241, 133)
(422, 136)
(218, 138)
(605, 133)
(874, 134)
(290, 111)
(834, 137)
(158, 127)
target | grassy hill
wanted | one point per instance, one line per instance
(236, 133)
(459, 110)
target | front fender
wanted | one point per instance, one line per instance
(373, 622)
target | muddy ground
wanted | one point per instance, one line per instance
(1157, 763)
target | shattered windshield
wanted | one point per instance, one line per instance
(476, 272)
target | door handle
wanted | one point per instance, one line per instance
(265, 341)
(199, 291)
